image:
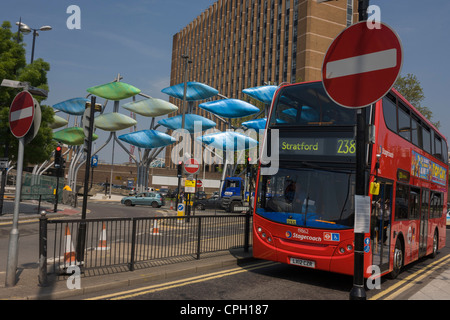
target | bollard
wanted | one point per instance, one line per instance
(43, 249)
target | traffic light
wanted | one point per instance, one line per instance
(249, 167)
(179, 169)
(58, 157)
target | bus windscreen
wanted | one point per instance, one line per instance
(306, 197)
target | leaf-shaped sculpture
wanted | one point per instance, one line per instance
(75, 106)
(148, 139)
(189, 122)
(228, 141)
(72, 136)
(59, 122)
(256, 124)
(263, 93)
(151, 107)
(114, 121)
(195, 91)
(114, 91)
(230, 108)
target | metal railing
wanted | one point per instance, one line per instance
(137, 242)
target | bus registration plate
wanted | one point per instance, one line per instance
(303, 263)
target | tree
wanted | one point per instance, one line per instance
(14, 67)
(410, 88)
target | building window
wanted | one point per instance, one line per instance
(349, 12)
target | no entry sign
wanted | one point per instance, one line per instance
(191, 166)
(21, 114)
(362, 65)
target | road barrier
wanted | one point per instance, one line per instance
(130, 243)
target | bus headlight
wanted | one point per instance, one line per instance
(265, 235)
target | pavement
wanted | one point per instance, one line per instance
(27, 285)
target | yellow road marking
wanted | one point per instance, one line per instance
(431, 267)
(182, 282)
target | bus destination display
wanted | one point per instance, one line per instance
(329, 146)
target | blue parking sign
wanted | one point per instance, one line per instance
(94, 161)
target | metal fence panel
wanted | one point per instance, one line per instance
(140, 242)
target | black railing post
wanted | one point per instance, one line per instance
(133, 244)
(39, 205)
(247, 231)
(199, 235)
(43, 249)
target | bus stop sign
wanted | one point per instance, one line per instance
(361, 65)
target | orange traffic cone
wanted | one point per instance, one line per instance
(155, 231)
(102, 240)
(69, 250)
(171, 204)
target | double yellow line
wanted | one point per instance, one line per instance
(410, 281)
(182, 282)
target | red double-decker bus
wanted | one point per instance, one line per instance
(304, 213)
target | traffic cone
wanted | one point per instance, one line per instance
(69, 250)
(155, 231)
(102, 240)
(171, 204)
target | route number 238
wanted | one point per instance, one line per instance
(346, 146)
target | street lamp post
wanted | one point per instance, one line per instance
(187, 61)
(26, 30)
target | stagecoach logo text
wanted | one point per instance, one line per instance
(303, 236)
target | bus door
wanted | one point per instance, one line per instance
(423, 233)
(381, 225)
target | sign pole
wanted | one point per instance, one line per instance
(88, 146)
(11, 265)
(358, 292)
(21, 118)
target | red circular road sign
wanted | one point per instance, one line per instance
(199, 183)
(361, 65)
(21, 114)
(191, 166)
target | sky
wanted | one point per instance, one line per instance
(134, 39)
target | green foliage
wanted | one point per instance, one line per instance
(409, 87)
(13, 66)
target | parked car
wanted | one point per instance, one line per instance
(154, 199)
(211, 203)
(164, 192)
(200, 195)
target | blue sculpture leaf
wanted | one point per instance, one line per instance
(228, 141)
(148, 139)
(195, 91)
(263, 93)
(75, 106)
(255, 124)
(174, 123)
(230, 108)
